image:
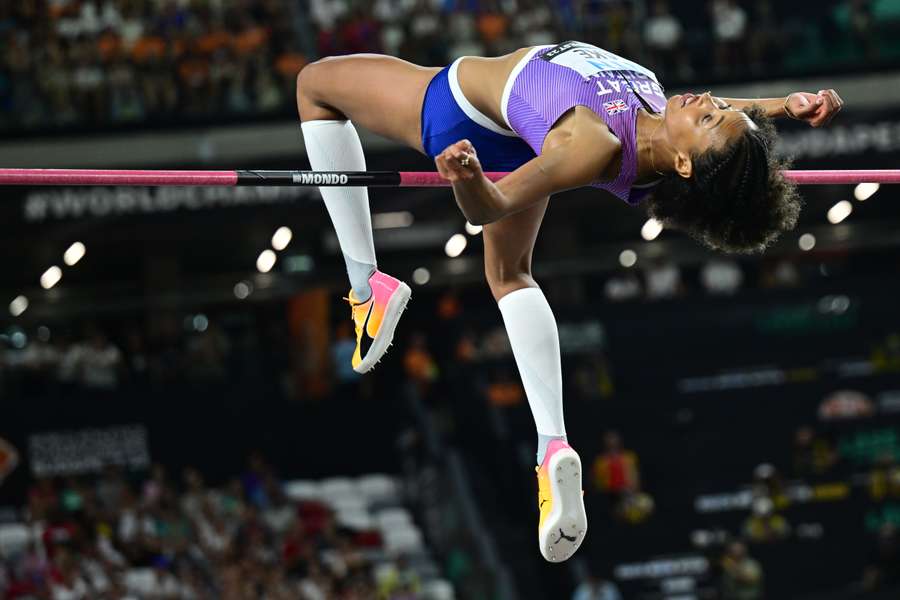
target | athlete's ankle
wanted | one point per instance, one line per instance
(544, 442)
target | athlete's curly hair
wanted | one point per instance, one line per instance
(736, 199)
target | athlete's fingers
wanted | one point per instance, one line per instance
(450, 167)
(460, 155)
(458, 161)
(441, 161)
(459, 148)
(464, 151)
(460, 166)
(836, 105)
(829, 103)
(823, 102)
(803, 107)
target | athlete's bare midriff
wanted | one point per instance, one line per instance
(482, 81)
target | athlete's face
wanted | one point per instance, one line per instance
(694, 124)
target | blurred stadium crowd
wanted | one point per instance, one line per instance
(118, 536)
(198, 349)
(69, 63)
(74, 62)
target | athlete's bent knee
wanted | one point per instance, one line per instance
(306, 81)
(311, 101)
(503, 281)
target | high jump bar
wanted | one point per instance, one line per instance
(42, 177)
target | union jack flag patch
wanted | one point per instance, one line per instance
(615, 107)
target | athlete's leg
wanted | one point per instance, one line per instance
(508, 247)
(509, 244)
(381, 93)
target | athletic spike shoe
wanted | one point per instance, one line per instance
(376, 319)
(563, 521)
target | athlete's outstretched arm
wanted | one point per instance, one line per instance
(816, 109)
(575, 162)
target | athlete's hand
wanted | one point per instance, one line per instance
(458, 162)
(816, 109)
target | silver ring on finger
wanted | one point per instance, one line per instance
(464, 161)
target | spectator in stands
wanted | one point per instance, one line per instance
(9, 459)
(505, 390)
(400, 582)
(662, 279)
(595, 588)
(207, 351)
(768, 483)
(742, 576)
(425, 41)
(622, 286)
(635, 506)
(729, 23)
(99, 362)
(721, 277)
(663, 37)
(418, 362)
(782, 274)
(616, 469)
(883, 561)
(765, 41)
(813, 454)
(466, 350)
(862, 27)
(342, 350)
(764, 524)
(495, 344)
(533, 23)
(39, 361)
(884, 478)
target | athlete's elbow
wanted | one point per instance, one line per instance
(486, 213)
(478, 211)
(478, 217)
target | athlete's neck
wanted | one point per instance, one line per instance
(654, 158)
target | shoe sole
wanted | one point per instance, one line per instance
(566, 526)
(382, 341)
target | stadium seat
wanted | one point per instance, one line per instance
(300, 490)
(348, 503)
(379, 488)
(393, 518)
(14, 539)
(141, 582)
(339, 487)
(356, 520)
(438, 589)
(406, 540)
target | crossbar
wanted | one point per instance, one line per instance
(45, 177)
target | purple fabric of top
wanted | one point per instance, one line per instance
(573, 74)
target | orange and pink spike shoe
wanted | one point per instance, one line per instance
(377, 318)
(563, 522)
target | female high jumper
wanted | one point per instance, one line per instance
(556, 117)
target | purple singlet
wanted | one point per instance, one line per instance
(551, 80)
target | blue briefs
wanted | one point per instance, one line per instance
(447, 117)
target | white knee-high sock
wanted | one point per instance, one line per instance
(535, 343)
(335, 146)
